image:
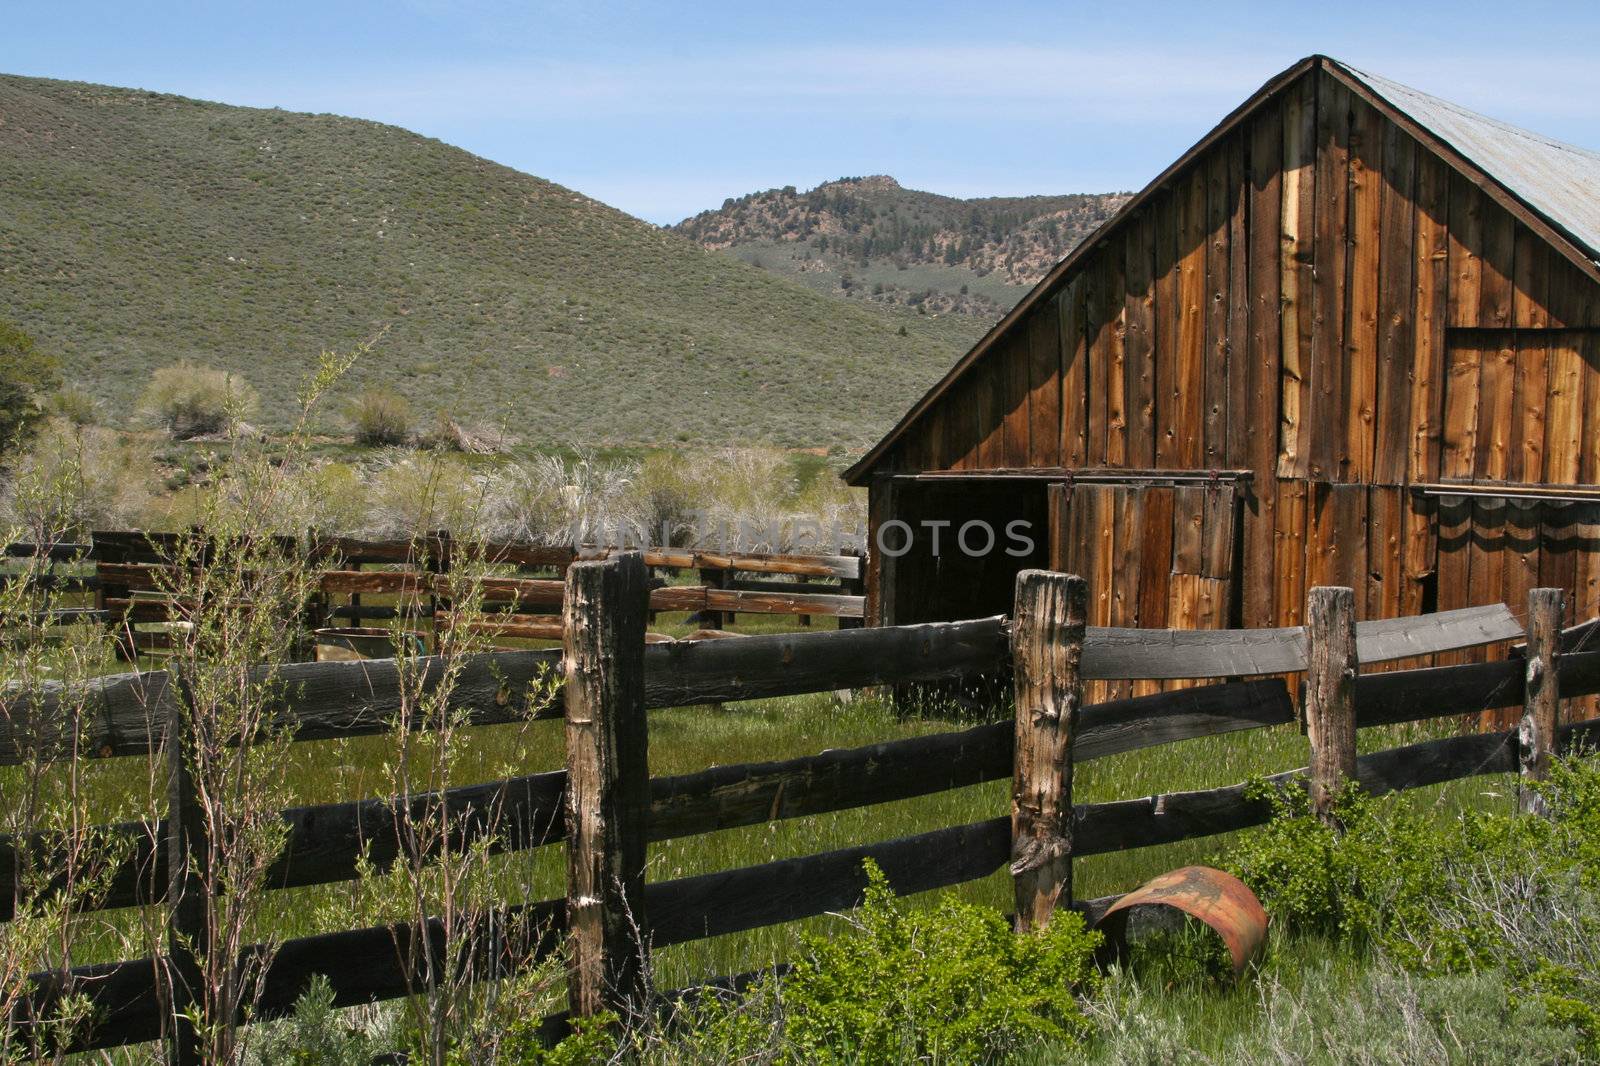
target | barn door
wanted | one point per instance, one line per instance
(1156, 556)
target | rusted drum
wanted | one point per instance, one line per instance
(352, 644)
(1219, 899)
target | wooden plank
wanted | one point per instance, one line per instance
(1454, 525)
(1396, 298)
(1074, 374)
(1431, 275)
(1297, 276)
(1356, 458)
(1189, 381)
(1337, 553)
(1328, 291)
(1390, 639)
(1420, 551)
(1169, 654)
(1130, 546)
(1015, 362)
(1264, 269)
(1046, 648)
(1291, 541)
(1496, 410)
(1165, 819)
(764, 666)
(1563, 440)
(1464, 689)
(1466, 250)
(731, 901)
(773, 602)
(1529, 406)
(1219, 542)
(1139, 354)
(1497, 266)
(1385, 552)
(1097, 348)
(1523, 525)
(1188, 529)
(988, 396)
(1330, 695)
(1243, 417)
(1589, 457)
(1464, 360)
(1116, 384)
(1155, 559)
(1214, 355)
(1044, 397)
(608, 784)
(1167, 311)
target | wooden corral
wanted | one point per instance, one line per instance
(1352, 337)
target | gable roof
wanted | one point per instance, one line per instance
(1552, 187)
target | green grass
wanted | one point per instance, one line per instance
(141, 229)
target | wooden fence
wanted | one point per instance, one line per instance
(612, 917)
(132, 576)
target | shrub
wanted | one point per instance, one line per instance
(78, 478)
(74, 405)
(191, 401)
(26, 375)
(951, 983)
(380, 417)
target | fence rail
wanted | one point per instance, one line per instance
(337, 699)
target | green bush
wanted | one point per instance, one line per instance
(1482, 892)
(380, 418)
(1348, 885)
(26, 376)
(194, 401)
(952, 983)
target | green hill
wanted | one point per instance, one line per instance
(876, 241)
(137, 229)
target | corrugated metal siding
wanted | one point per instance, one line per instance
(1558, 180)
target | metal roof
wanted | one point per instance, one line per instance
(1560, 181)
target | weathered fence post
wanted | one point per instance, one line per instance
(1047, 648)
(1330, 709)
(1541, 701)
(190, 916)
(608, 781)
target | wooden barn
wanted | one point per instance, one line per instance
(1351, 337)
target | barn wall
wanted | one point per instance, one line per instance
(1322, 301)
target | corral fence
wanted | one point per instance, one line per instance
(131, 575)
(604, 807)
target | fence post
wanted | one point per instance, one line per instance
(1330, 709)
(188, 929)
(715, 579)
(1541, 703)
(608, 781)
(1047, 648)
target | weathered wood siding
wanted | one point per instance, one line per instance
(1323, 301)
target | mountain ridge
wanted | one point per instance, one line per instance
(873, 239)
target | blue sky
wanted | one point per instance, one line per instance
(665, 109)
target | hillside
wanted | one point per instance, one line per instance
(874, 240)
(137, 229)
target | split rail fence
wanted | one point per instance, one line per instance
(132, 575)
(611, 917)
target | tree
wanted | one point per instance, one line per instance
(27, 375)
